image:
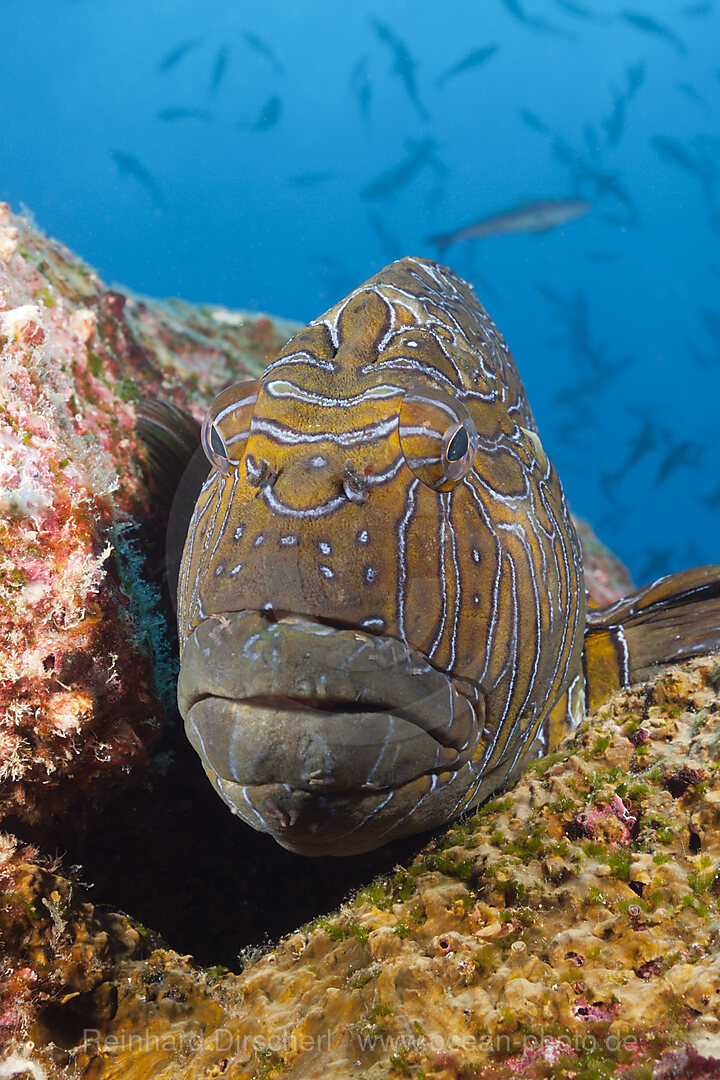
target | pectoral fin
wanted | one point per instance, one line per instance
(673, 619)
(171, 436)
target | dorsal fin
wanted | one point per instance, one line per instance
(171, 436)
(179, 469)
(673, 619)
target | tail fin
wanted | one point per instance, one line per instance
(674, 618)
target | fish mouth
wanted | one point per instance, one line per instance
(332, 739)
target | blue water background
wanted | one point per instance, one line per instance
(229, 222)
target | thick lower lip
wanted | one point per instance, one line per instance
(320, 751)
(308, 726)
(342, 823)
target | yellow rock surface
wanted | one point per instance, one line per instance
(569, 928)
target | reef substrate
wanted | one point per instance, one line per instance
(569, 928)
(86, 667)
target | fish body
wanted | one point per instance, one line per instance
(651, 26)
(381, 600)
(711, 320)
(692, 93)
(390, 182)
(178, 112)
(129, 165)
(267, 117)
(604, 185)
(362, 87)
(367, 642)
(534, 217)
(176, 55)
(515, 9)
(697, 162)
(404, 66)
(310, 179)
(473, 60)
(674, 152)
(577, 9)
(263, 49)
(615, 123)
(218, 71)
(534, 122)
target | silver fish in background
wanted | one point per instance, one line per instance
(381, 600)
(532, 217)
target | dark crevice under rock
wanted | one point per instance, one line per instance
(172, 856)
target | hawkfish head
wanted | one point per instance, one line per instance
(381, 594)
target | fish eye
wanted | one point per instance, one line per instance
(460, 443)
(226, 427)
(214, 446)
(438, 437)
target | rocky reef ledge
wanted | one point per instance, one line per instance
(86, 667)
(570, 928)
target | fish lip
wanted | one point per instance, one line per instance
(314, 751)
(459, 691)
(351, 715)
(343, 823)
(331, 707)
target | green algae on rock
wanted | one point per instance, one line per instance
(569, 928)
(84, 653)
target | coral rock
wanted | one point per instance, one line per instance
(471, 961)
(85, 663)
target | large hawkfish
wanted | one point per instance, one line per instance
(381, 604)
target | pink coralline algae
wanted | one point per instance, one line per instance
(66, 449)
(687, 1064)
(84, 656)
(537, 1054)
(593, 1012)
(613, 822)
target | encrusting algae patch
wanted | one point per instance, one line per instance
(85, 664)
(567, 929)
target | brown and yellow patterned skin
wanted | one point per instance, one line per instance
(371, 642)
(381, 601)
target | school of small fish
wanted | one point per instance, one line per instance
(591, 185)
